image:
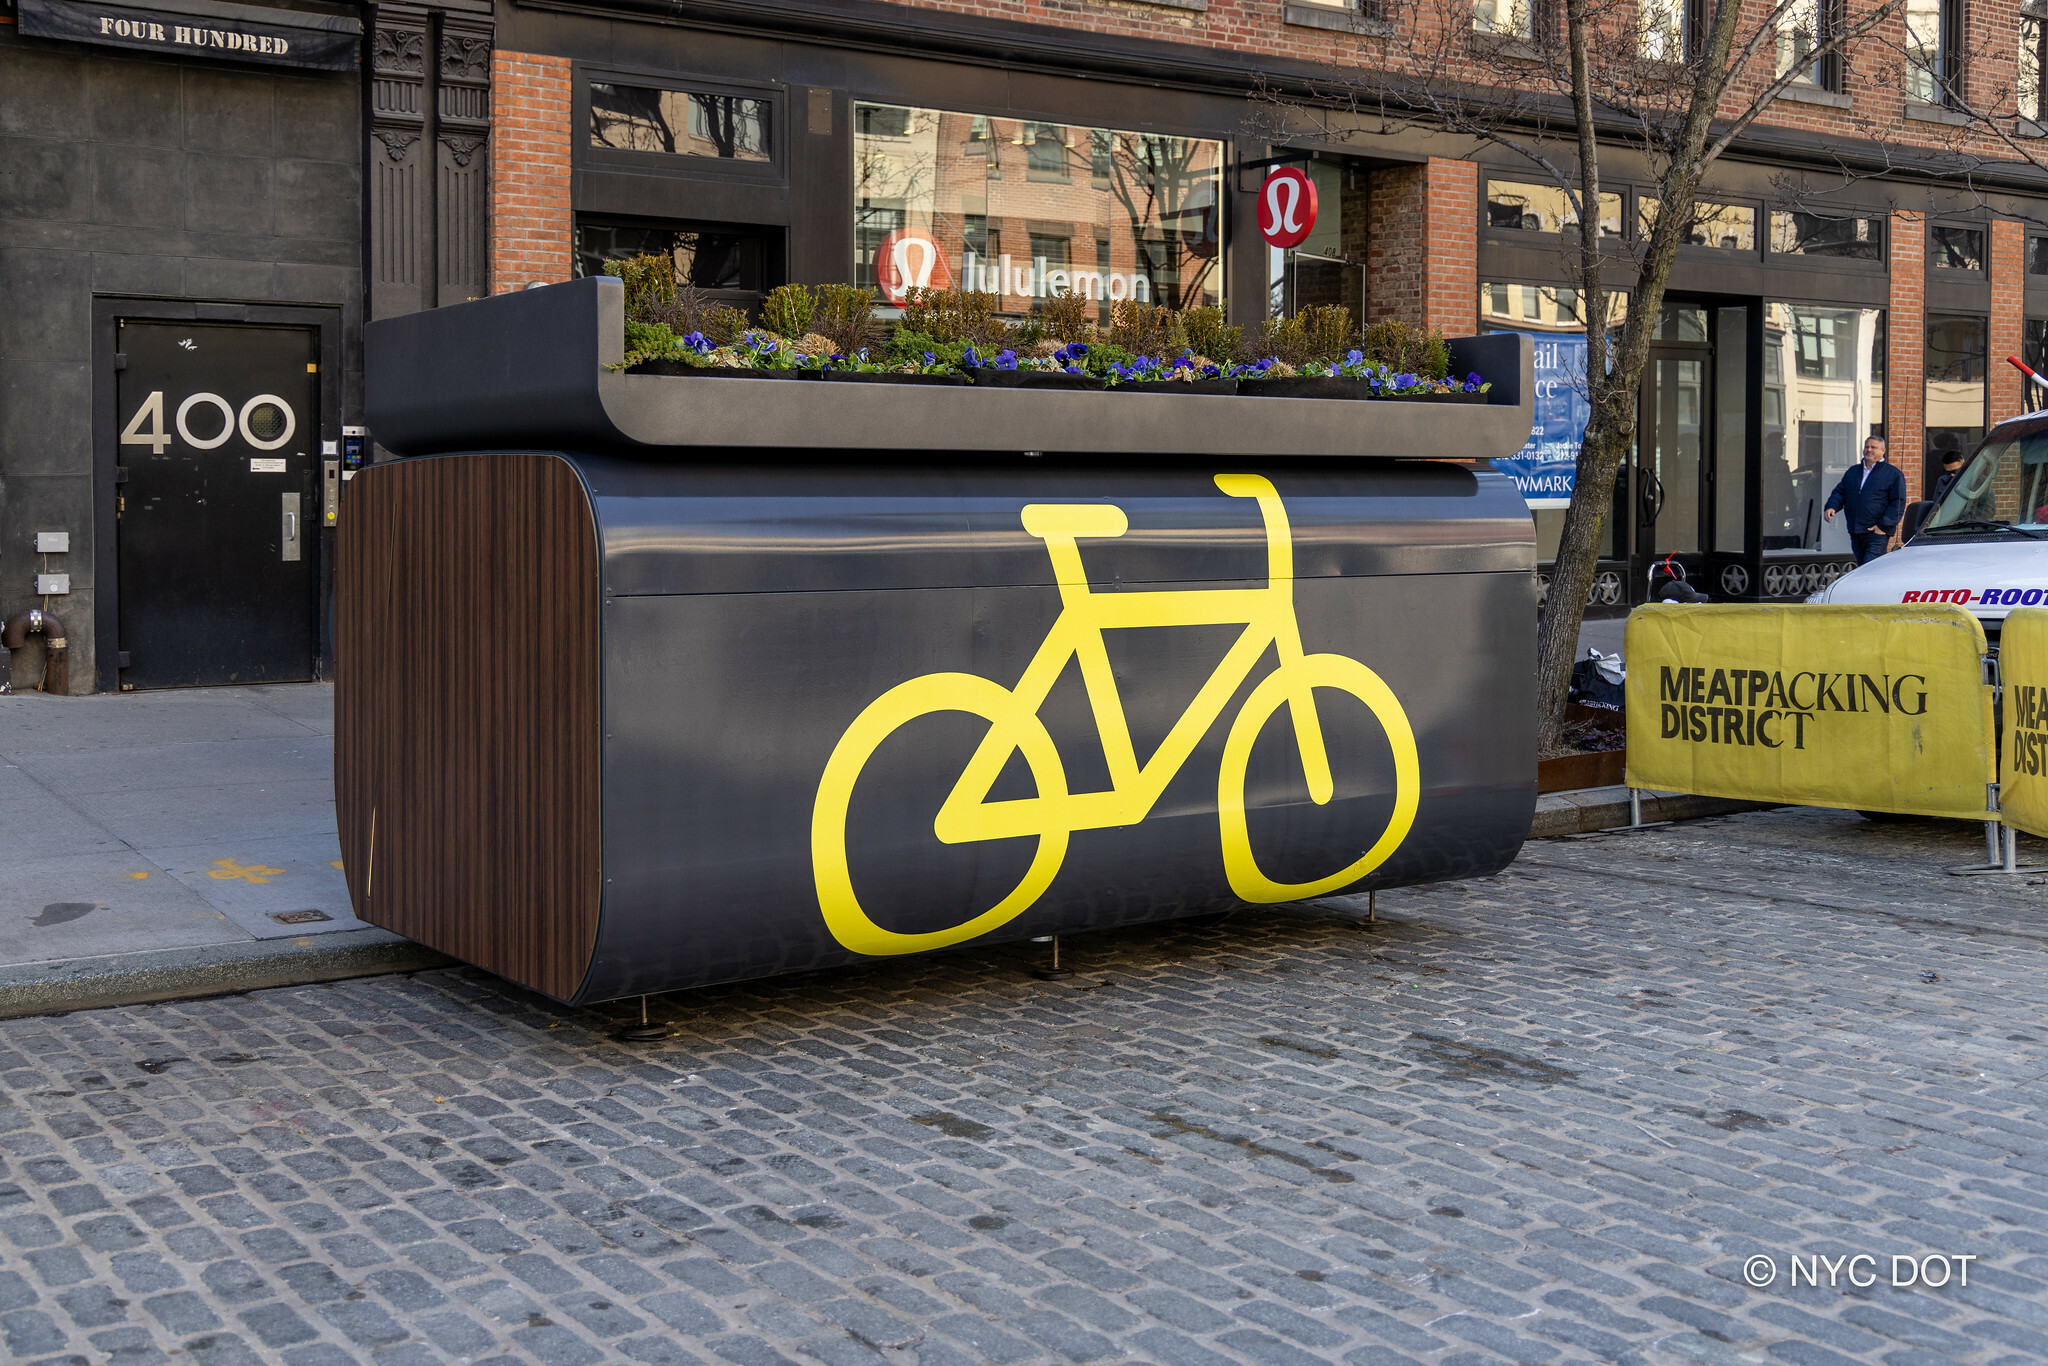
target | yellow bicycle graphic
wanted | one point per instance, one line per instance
(1267, 615)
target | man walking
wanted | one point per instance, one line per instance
(1872, 496)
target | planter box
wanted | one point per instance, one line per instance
(675, 369)
(1172, 387)
(870, 377)
(527, 368)
(989, 377)
(1303, 386)
(1570, 772)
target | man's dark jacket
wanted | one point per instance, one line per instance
(1880, 502)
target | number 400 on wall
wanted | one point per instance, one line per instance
(156, 438)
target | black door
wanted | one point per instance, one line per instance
(1670, 475)
(216, 511)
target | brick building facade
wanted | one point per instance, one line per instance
(467, 163)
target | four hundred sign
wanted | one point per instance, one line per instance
(205, 28)
(1873, 708)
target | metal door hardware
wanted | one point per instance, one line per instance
(291, 525)
(330, 491)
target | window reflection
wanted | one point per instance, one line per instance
(638, 118)
(1823, 394)
(1812, 234)
(1531, 207)
(1027, 209)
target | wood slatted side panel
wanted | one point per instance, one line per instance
(467, 731)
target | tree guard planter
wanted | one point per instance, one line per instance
(617, 718)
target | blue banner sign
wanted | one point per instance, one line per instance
(1544, 469)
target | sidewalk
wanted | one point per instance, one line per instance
(181, 843)
(195, 826)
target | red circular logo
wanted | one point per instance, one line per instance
(1287, 206)
(909, 259)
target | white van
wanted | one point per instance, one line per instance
(1983, 547)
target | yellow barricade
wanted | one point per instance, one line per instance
(2023, 767)
(1871, 708)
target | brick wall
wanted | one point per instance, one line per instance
(531, 223)
(1422, 257)
(1451, 302)
(1905, 327)
(2008, 314)
(1397, 247)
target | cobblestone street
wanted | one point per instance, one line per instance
(1547, 1117)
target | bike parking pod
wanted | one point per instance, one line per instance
(646, 683)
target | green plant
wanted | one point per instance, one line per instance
(787, 310)
(846, 314)
(1319, 334)
(1065, 316)
(1208, 336)
(952, 315)
(1146, 329)
(909, 347)
(650, 281)
(1407, 349)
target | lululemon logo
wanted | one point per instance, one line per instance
(909, 259)
(1287, 207)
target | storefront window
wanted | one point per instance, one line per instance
(708, 255)
(1731, 227)
(1731, 428)
(1527, 207)
(1028, 210)
(1952, 248)
(1954, 367)
(1319, 271)
(2037, 255)
(1812, 234)
(640, 118)
(1823, 394)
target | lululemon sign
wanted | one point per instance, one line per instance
(908, 259)
(1287, 207)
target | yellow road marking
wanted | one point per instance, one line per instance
(227, 870)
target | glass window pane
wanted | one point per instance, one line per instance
(1956, 248)
(1511, 18)
(1541, 308)
(1812, 234)
(1823, 394)
(707, 255)
(1730, 227)
(638, 118)
(2005, 482)
(1660, 30)
(1954, 366)
(1798, 34)
(2028, 84)
(1731, 427)
(2037, 256)
(1046, 208)
(1926, 54)
(1543, 208)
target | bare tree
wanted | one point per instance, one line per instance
(1669, 84)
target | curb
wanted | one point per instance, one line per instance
(1606, 808)
(125, 979)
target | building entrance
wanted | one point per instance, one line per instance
(1669, 476)
(215, 510)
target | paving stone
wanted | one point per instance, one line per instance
(1535, 1118)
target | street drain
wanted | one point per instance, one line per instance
(299, 917)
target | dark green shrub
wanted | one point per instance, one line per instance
(1208, 336)
(1065, 317)
(650, 281)
(952, 315)
(787, 310)
(1407, 349)
(846, 314)
(1146, 329)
